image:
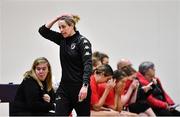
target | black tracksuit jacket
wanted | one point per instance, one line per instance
(28, 100)
(75, 56)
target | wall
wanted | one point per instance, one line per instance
(136, 29)
(178, 80)
(0, 39)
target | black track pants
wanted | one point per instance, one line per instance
(67, 99)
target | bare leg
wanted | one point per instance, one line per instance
(143, 114)
(105, 113)
(150, 112)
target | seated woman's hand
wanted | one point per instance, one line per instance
(46, 98)
(111, 84)
(146, 88)
(134, 84)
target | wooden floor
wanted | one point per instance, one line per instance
(112, 113)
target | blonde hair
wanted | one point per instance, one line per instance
(32, 73)
(76, 18)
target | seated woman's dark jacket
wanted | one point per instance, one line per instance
(29, 99)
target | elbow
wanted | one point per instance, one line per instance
(40, 31)
(96, 108)
(119, 108)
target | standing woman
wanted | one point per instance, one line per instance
(75, 57)
(35, 94)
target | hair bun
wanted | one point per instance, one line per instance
(76, 18)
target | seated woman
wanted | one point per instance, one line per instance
(96, 63)
(134, 95)
(113, 98)
(160, 101)
(35, 95)
(102, 74)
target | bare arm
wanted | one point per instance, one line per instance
(134, 96)
(135, 83)
(126, 97)
(117, 98)
(101, 101)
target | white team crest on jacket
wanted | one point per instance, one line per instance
(86, 47)
(87, 53)
(73, 45)
(85, 41)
